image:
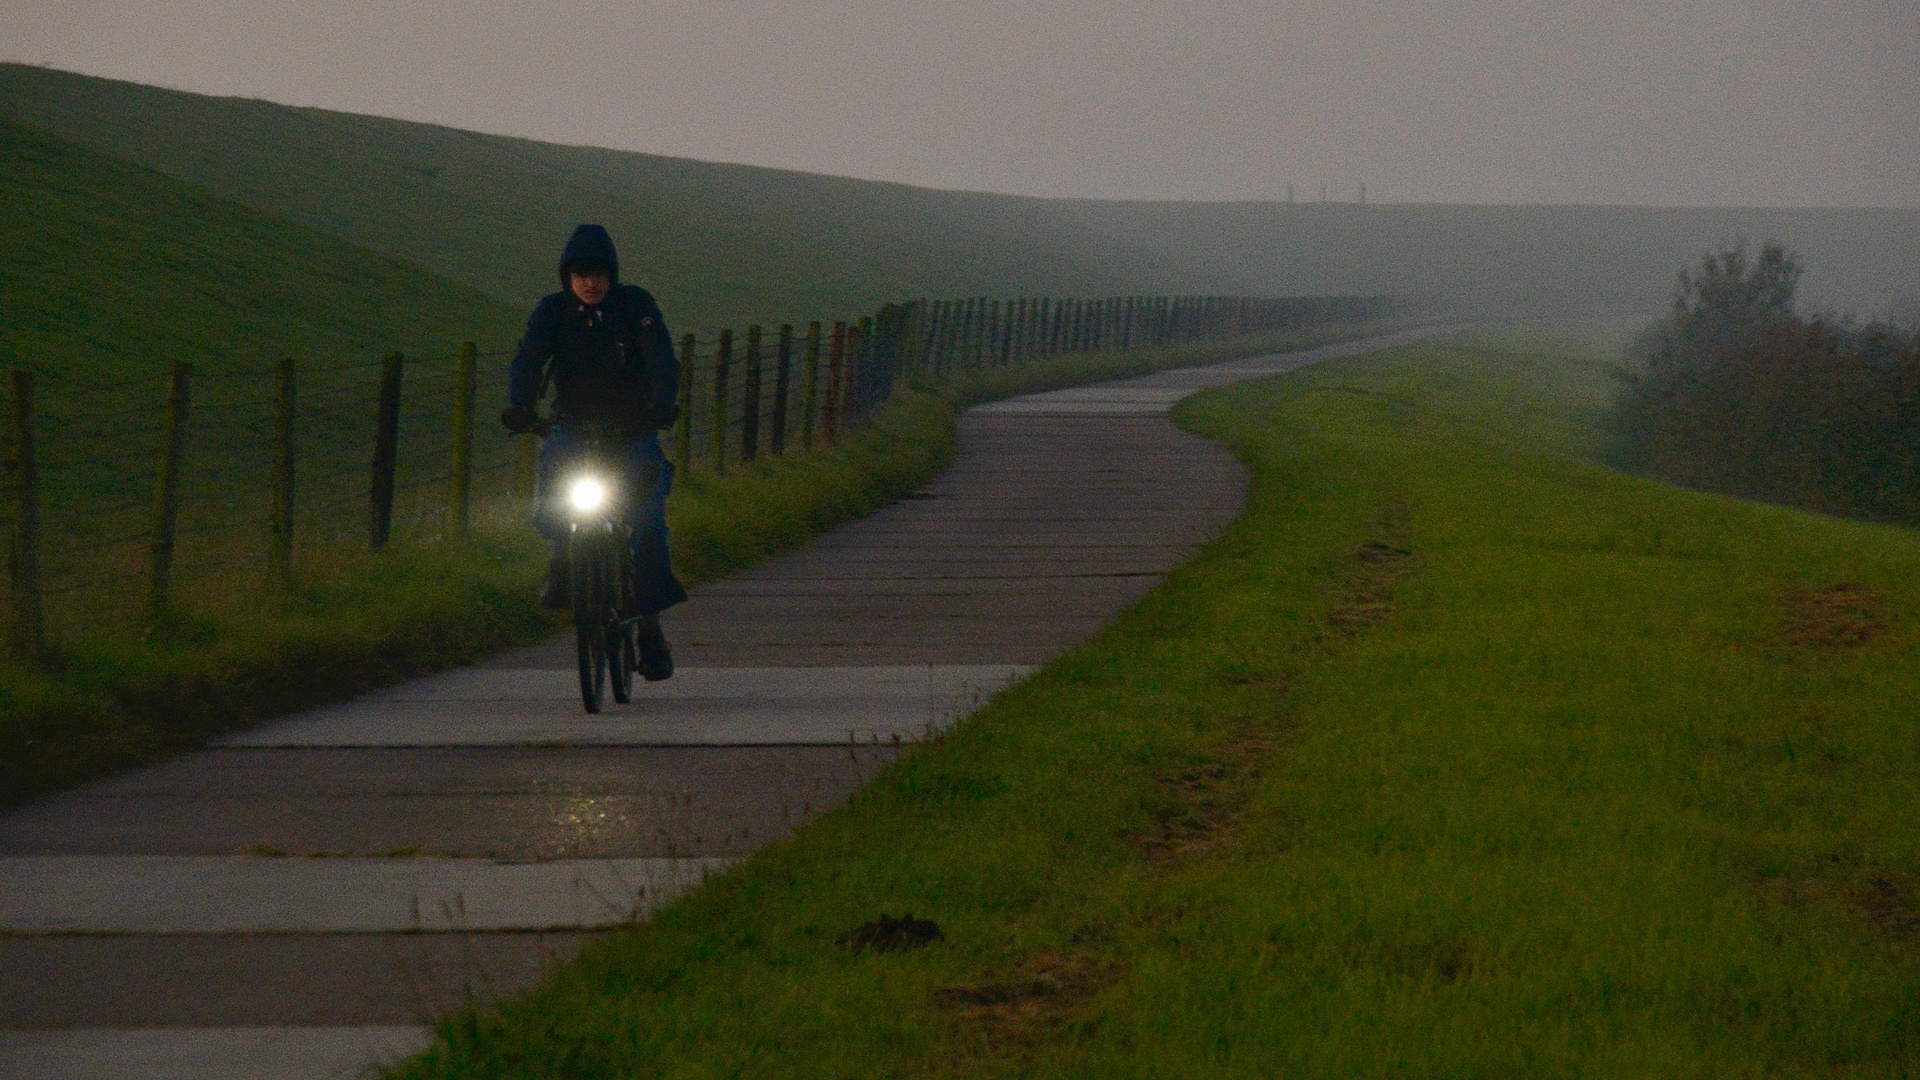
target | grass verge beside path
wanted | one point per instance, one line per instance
(1454, 756)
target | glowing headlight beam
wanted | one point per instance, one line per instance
(587, 494)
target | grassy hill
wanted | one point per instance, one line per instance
(722, 243)
(114, 270)
(726, 244)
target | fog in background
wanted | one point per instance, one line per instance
(1635, 102)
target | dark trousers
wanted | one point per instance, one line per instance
(640, 477)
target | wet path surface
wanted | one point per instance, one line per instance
(336, 880)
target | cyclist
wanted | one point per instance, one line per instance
(605, 348)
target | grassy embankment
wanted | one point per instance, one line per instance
(1456, 756)
(730, 244)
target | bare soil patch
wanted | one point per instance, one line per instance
(1206, 801)
(1837, 616)
(1889, 904)
(1034, 999)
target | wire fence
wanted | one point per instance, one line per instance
(124, 497)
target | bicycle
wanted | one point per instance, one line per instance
(600, 559)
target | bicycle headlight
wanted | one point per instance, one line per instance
(587, 494)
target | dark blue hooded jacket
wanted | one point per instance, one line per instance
(612, 363)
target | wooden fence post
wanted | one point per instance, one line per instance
(722, 357)
(166, 488)
(853, 404)
(460, 478)
(782, 388)
(280, 542)
(936, 337)
(810, 401)
(963, 353)
(836, 359)
(386, 451)
(29, 623)
(750, 402)
(683, 432)
(977, 347)
(954, 353)
(914, 359)
(905, 336)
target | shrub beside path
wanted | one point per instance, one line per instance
(306, 897)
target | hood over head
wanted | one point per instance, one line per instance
(589, 244)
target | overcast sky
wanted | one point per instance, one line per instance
(1665, 102)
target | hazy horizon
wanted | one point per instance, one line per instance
(1742, 104)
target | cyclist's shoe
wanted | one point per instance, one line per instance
(557, 593)
(654, 659)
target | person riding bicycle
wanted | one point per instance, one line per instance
(605, 348)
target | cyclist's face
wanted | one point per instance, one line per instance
(592, 286)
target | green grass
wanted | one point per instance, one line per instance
(1551, 795)
(731, 244)
(113, 271)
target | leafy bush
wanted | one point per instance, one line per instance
(1734, 392)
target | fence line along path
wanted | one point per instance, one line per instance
(485, 800)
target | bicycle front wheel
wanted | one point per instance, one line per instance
(620, 649)
(588, 556)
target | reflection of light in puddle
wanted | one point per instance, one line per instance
(587, 817)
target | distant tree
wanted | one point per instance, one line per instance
(1734, 392)
(1730, 295)
(1727, 283)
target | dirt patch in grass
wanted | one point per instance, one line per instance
(1197, 808)
(1201, 805)
(1889, 904)
(1031, 1003)
(1375, 553)
(1367, 589)
(1355, 617)
(888, 934)
(1888, 900)
(1839, 615)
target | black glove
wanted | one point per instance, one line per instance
(519, 419)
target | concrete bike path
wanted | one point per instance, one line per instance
(307, 897)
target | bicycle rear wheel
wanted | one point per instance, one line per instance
(587, 552)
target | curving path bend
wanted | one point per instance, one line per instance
(302, 900)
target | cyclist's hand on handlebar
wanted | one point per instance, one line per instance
(520, 419)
